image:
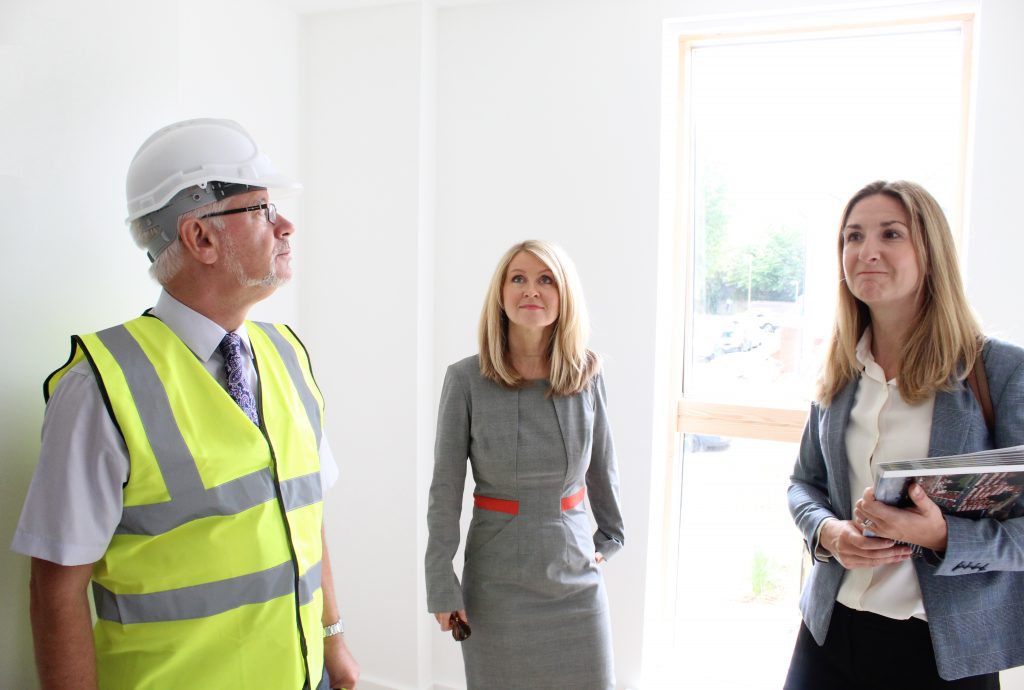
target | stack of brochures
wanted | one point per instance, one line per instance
(987, 484)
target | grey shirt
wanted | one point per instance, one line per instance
(75, 500)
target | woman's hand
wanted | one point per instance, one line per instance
(848, 544)
(598, 557)
(444, 618)
(921, 523)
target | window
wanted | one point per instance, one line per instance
(775, 130)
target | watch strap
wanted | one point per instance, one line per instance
(334, 629)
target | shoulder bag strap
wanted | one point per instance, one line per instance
(978, 381)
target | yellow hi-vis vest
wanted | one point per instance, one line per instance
(212, 577)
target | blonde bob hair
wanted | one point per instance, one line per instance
(572, 364)
(945, 339)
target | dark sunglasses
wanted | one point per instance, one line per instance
(460, 628)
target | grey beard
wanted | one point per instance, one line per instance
(271, 279)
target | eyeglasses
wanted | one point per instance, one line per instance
(460, 628)
(268, 209)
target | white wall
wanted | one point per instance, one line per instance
(430, 136)
(995, 240)
(366, 291)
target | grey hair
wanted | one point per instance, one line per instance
(169, 262)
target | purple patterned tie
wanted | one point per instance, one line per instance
(238, 384)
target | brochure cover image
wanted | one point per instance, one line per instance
(987, 484)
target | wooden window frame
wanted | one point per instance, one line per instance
(699, 414)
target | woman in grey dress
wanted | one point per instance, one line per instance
(529, 414)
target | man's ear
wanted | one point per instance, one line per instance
(200, 240)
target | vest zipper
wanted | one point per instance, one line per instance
(287, 526)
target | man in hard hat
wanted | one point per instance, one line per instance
(183, 455)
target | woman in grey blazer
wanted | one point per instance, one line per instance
(529, 414)
(893, 386)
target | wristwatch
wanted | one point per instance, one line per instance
(334, 629)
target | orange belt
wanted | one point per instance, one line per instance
(502, 505)
(570, 502)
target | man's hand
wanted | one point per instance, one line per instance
(342, 667)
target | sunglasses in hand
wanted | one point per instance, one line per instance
(460, 628)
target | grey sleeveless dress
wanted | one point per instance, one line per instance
(532, 591)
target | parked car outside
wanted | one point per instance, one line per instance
(737, 337)
(766, 322)
(706, 346)
(699, 443)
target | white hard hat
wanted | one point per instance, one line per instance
(194, 153)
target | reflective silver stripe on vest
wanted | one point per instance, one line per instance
(190, 500)
(209, 599)
(291, 362)
(230, 498)
(309, 583)
(178, 467)
(301, 491)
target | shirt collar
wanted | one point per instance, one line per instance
(201, 335)
(867, 361)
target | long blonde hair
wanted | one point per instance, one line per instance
(945, 339)
(572, 364)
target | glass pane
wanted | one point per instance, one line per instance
(784, 132)
(739, 564)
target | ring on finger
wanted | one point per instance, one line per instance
(866, 522)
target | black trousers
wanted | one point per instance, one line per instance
(865, 651)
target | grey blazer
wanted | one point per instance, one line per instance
(478, 419)
(974, 592)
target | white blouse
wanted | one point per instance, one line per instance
(882, 427)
